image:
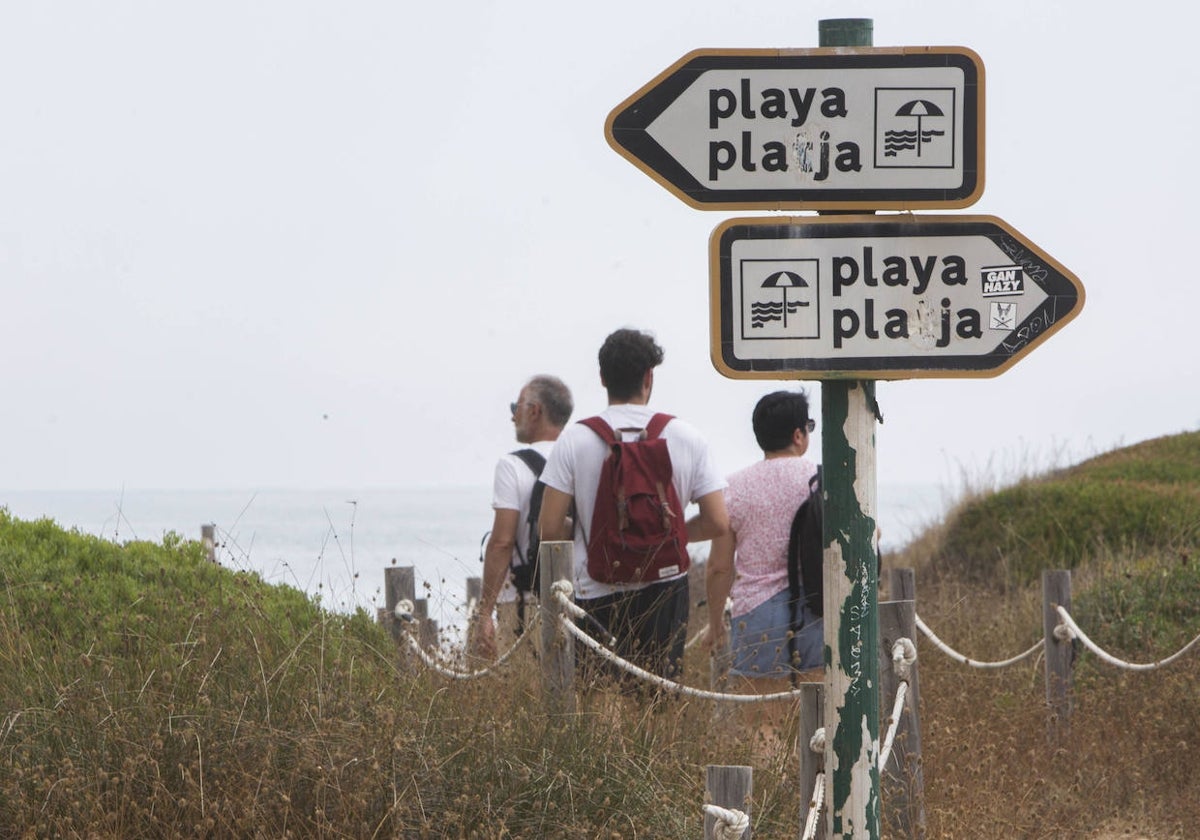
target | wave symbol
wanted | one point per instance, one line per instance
(764, 312)
(897, 141)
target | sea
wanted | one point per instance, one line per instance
(335, 544)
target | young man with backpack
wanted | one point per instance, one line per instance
(542, 409)
(630, 472)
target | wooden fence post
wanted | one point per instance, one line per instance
(208, 541)
(427, 628)
(729, 787)
(904, 787)
(558, 647)
(399, 584)
(1060, 654)
(812, 718)
(902, 586)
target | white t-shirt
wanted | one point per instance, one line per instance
(512, 486)
(574, 468)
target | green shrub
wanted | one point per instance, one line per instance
(1139, 498)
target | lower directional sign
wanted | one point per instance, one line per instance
(881, 297)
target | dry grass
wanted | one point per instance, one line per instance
(144, 693)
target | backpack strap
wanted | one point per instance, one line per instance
(533, 459)
(653, 429)
(656, 425)
(536, 462)
(597, 425)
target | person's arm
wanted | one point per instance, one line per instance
(718, 581)
(712, 521)
(497, 557)
(553, 521)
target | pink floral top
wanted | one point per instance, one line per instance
(762, 499)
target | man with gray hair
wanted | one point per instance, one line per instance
(542, 409)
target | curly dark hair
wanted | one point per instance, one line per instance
(625, 357)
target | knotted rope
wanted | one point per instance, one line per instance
(729, 825)
(904, 656)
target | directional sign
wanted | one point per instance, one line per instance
(881, 297)
(868, 129)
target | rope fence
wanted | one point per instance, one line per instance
(447, 670)
(1074, 632)
(563, 619)
(1066, 631)
(966, 660)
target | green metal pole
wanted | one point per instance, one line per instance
(848, 414)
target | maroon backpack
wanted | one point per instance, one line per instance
(638, 533)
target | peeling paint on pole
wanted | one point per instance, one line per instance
(848, 412)
(851, 607)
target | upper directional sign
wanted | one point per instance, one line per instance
(864, 128)
(881, 297)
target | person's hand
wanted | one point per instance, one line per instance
(485, 636)
(715, 638)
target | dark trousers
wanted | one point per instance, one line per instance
(649, 624)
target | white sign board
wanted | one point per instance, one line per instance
(864, 128)
(881, 297)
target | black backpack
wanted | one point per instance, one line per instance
(524, 566)
(805, 557)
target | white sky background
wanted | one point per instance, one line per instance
(297, 244)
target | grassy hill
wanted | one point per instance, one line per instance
(1141, 498)
(145, 692)
(1127, 523)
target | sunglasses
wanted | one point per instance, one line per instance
(513, 406)
(810, 426)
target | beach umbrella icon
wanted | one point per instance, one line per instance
(919, 108)
(786, 280)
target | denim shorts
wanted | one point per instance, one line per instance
(760, 641)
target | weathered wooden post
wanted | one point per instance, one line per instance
(1060, 654)
(848, 414)
(427, 628)
(208, 541)
(851, 609)
(729, 787)
(399, 584)
(812, 718)
(558, 647)
(902, 586)
(903, 792)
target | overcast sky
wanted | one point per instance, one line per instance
(298, 244)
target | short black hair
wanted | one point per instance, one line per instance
(776, 418)
(625, 357)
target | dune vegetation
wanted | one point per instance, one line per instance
(146, 692)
